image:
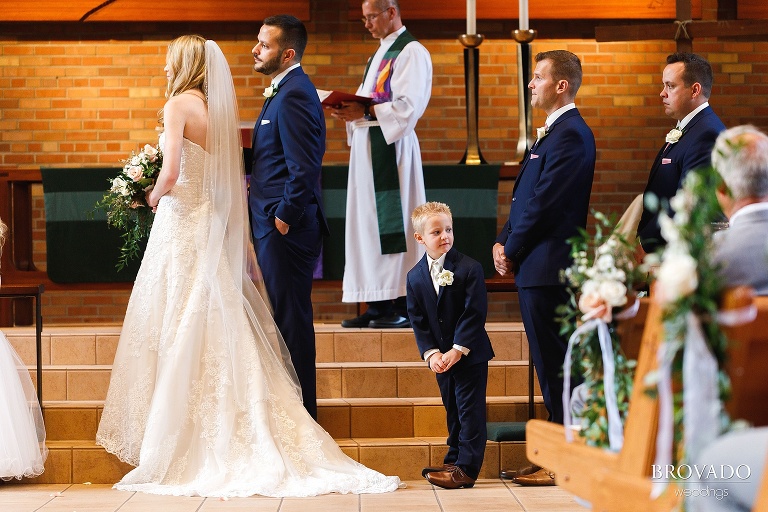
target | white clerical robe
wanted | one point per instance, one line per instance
(369, 275)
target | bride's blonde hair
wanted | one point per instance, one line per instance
(186, 61)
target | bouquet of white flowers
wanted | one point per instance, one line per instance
(602, 280)
(125, 202)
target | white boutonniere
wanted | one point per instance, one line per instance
(541, 132)
(674, 135)
(445, 278)
(270, 91)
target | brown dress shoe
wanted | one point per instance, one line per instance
(451, 478)
(539, 478)
(510, 474)
(435, 469)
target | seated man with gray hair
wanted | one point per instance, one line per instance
(740, 156)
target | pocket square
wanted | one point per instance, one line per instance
(665, 161)
(265, 121)
(534, 155)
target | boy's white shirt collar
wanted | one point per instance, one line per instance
(278, 78)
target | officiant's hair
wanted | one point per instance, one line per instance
(422, 213)
(384, 4)
(565, 66)
(740, 156)
(293, 33)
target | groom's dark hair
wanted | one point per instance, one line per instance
(293, 33)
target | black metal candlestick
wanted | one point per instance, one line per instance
(471, 42)
(525, 116)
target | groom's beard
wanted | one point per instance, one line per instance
(267, 67)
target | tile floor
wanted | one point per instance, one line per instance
(487, 495)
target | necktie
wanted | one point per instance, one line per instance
(435, 270)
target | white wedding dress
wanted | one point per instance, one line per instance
(22, 433)
(199, 399)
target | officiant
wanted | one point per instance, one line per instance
(386, 180)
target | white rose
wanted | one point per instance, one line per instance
(445, 278)
(135, 172)
(135, 160)
(613, 292)
(677, 276)
(589, 287)
(668, 228)
(605, 262)
(150, 152)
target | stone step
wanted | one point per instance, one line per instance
(96, 344)
(84, 461)
(342, 418)
(334, 380)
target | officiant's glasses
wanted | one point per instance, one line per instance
(371, 17)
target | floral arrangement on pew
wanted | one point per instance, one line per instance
(125, 202)
(602, 279)
(688, 288)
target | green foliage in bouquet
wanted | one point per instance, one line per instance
(688, 282)
(125, 202)
(602, 279)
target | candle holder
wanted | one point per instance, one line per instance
(471, 42)
(525, 112)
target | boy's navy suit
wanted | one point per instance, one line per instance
(288, 148)
(456, 316)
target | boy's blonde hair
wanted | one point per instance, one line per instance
(425, 211)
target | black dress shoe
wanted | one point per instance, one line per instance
(389, 322)
(360, 321)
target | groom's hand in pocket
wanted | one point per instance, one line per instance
(281, 226)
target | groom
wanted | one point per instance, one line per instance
(287, 216)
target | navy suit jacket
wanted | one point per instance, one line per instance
(692, 150)
(456, 315)
(288, 148)
(550, 201)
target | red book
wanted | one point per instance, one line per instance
(333, 99)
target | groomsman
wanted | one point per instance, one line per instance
(687, 80)
(550, 201)
(286, 206)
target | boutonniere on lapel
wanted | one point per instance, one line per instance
(674, 135)
(445, 278)
(270, 91)
(541, 132)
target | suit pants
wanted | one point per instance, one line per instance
(287, 263)
(547, 346)
(463, 392)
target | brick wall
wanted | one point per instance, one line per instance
(89, 94)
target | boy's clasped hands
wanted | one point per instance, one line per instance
(442, 362)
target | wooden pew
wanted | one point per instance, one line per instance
(575, 464)
(617, 491)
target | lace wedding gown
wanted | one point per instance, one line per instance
(22, 433)
(199, 400)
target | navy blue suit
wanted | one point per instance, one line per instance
(456, 315)
(550, 202)
(288, 149)
(692, 150)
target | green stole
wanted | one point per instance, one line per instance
(386, 180)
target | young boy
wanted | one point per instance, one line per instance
(447, 306)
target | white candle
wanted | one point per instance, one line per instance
(471, 17)
(523, 14)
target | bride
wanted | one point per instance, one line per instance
(203, 399)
